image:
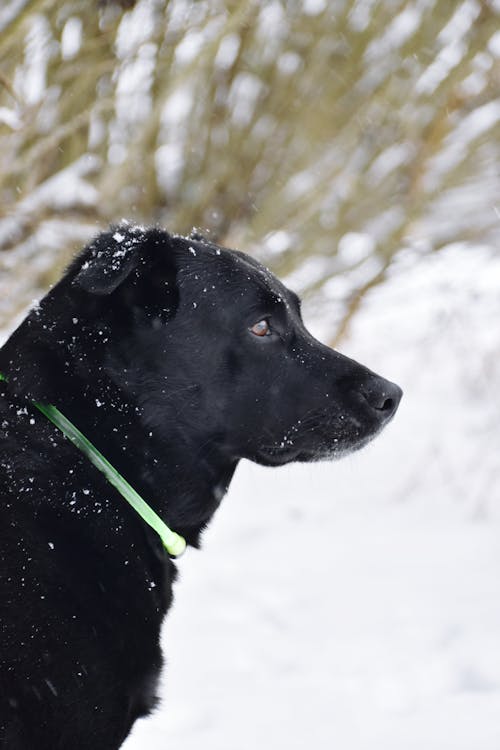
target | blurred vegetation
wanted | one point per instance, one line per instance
(325, 136)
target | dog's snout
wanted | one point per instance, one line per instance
(382, 397)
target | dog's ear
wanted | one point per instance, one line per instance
(109, 261)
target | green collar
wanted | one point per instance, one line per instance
(173, 543)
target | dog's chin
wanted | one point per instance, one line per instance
(327, 450)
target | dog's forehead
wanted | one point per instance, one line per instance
(244, 273)
(250, 270)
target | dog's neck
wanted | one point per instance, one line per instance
(184, 482)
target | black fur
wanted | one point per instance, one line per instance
(146, 345)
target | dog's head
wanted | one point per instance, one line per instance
(208, 337)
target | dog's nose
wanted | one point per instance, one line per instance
(382, 397)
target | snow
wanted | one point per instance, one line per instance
(398, 32)
(277, 242)
(460, 23)
(360, 14)
(314, 7)
(227, 52)
(71, 38)
(10, 118)
(354, 247)
(190, 47)
(494, 44)
(30, 82)
(136, 28)
(10, 11)
(243, 95)
(289, 63)
(388, 161)
(341, 621)
(357, 604)
(63, 190)
(474, 125)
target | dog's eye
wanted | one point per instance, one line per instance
(262, 328)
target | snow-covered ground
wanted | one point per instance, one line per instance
(357, 605)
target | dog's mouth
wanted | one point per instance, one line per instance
(328, 431)
(323, 443)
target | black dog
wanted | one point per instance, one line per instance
(176, 358)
